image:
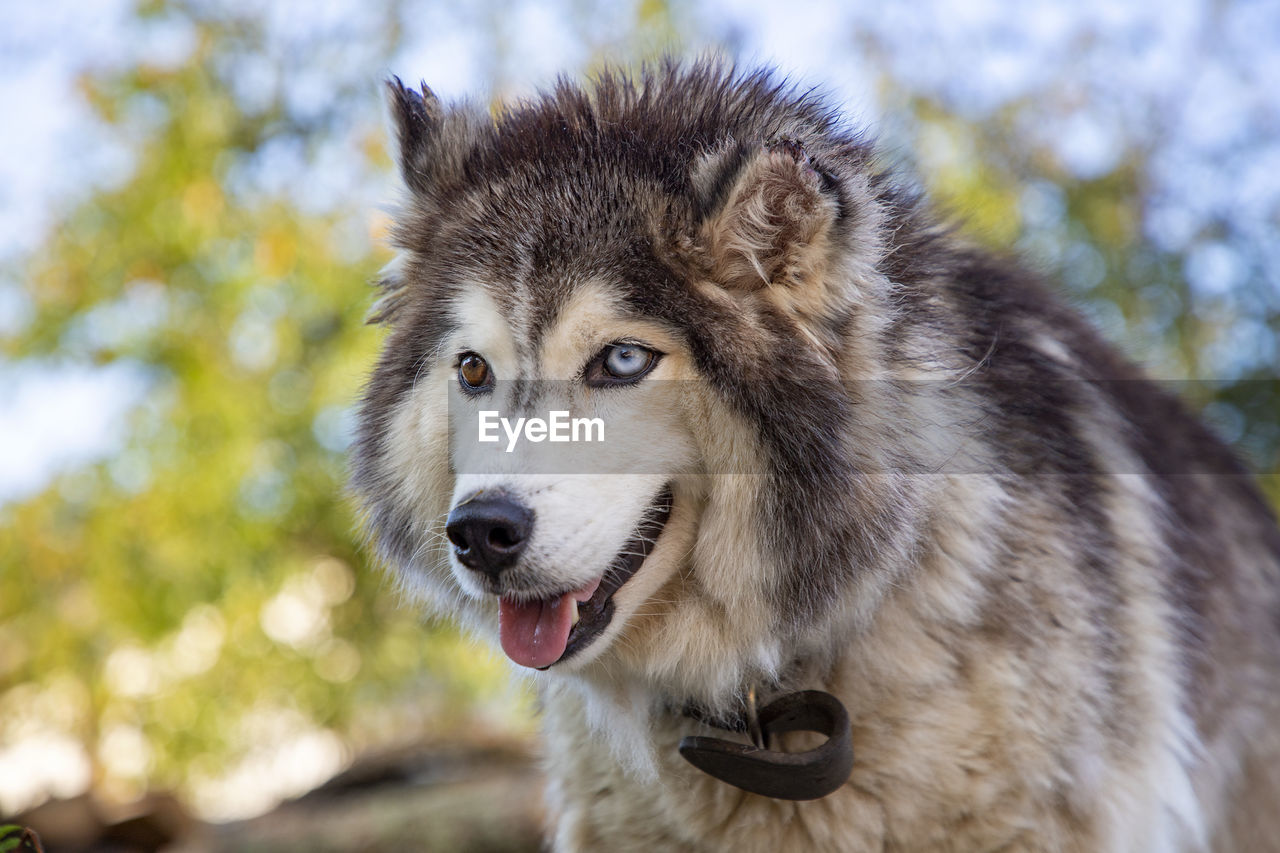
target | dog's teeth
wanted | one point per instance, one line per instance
(577, 612)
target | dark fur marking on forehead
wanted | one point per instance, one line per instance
(572, 168)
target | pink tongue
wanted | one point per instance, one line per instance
(535, 633)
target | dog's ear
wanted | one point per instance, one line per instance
(417, 116)
(767, 215)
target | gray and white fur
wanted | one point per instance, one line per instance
(902, 471)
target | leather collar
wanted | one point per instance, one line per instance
(768, 772)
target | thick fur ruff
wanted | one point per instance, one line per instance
(903, 472)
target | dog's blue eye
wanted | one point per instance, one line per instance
(619, 363)
(626, 360)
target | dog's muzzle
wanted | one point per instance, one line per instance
(541, 627)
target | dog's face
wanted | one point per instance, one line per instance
(568, 538)
(657, 260)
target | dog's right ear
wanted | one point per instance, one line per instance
(417, 116)
(767, 215)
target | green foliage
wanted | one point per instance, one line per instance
(13, 837)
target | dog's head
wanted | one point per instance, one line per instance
(680, 273)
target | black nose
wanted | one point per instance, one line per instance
(489, 533)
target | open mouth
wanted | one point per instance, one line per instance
(546, 631)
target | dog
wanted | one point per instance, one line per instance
(846, 456)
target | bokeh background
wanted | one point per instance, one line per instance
(192, 200)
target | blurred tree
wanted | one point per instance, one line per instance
(198, 604)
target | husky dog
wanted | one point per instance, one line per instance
(850, 453)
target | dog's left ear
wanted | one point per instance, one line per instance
(768, 216)
(417, 116)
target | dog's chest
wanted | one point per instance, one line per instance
(596, 805)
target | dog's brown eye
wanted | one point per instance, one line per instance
(473, 372)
